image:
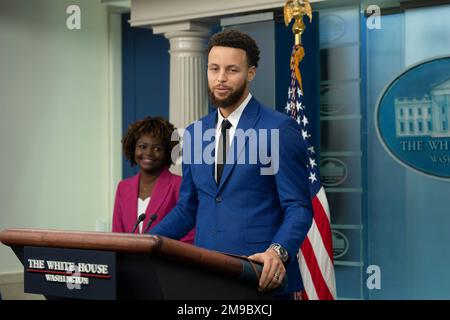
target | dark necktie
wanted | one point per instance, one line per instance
(222, 148)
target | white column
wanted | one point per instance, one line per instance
(188, 85)
(188, 94)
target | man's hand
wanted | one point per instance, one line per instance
(273, 270)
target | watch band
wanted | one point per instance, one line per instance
(281, 252)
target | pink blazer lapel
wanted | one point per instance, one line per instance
(130, 197)
(159, 195)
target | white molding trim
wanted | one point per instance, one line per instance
(114, 121)
(149, 13)
(119, 6)
(180, 26)
(249, 18)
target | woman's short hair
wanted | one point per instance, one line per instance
(157, 127)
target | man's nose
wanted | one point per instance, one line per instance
(222, 77)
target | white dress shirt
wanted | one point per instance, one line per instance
(142, 207)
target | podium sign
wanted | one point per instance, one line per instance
(70, 273)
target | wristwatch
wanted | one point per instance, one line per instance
(281, 252)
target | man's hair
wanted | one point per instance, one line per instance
(157, 127)
(236, 39)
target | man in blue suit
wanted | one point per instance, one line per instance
(245, 183)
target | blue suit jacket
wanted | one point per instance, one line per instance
(247, 211)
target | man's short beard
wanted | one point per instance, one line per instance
(232, 99)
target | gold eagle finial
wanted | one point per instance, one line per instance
(296, 9)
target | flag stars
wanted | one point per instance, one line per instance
(305, 134)
(290, 93)
(288, 107)
(299, 106)
(312, 177)
(299, 92)
(305, 121)
(311, 150)
(312, 163)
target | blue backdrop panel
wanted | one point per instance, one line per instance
(145, 86)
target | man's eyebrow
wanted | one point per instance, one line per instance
(212, 64)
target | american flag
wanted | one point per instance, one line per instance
(315, 256)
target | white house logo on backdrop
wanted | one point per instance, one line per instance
(333, 172)
(426, 116)
(340, 244)
(413, 118)
(331, 99)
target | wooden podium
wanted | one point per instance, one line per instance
(140, 267)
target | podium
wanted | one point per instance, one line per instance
(101, 265)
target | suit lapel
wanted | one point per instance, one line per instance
(131, 200)
(159, 194)
(209, 123)
(247, 121)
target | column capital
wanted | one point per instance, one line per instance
(184, 42)
(187, 34)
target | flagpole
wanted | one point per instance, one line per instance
(315, 256)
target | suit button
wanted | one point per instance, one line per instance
(218, 199)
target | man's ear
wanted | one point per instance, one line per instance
(251, 73)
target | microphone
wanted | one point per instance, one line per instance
(139, 220)
(150, 222)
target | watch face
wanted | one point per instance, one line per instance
(284, 254)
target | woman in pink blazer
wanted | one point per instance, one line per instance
(154, 190)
